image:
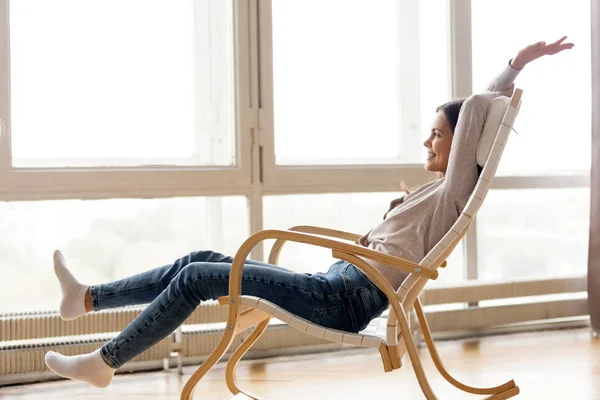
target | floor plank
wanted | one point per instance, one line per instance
(553, 365)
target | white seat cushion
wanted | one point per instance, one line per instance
(372, 336)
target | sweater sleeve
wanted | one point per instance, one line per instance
(504, 81)
(462, 172)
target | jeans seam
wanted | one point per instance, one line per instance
(372, 285)
(348, 286)
(137, 289)
(353, 318)
(365, 296)
(97, 294)
(108, 357)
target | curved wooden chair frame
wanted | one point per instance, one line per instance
(398, 337)
(239, 321)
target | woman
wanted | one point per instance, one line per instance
(343, 298)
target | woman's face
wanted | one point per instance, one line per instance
(438, 144)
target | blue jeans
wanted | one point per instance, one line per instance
(343, 298)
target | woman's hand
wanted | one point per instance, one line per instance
(537, 50)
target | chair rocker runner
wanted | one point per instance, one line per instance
(392, 338)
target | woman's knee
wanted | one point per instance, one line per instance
(203, 271)
(207, 280)
(209, 256)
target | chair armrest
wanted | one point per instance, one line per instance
(278, 245)
(235, 279)
(392, 261)
(397, 262)
(317, 230)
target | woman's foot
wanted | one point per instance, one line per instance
(90, 368)
(72, 304)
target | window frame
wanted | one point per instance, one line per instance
(144, 181)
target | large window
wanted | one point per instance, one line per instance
(121, 83)
(191, 124)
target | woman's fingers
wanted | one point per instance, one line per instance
(558, 46)
(559, 41)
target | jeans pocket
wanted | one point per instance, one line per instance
(341, 317)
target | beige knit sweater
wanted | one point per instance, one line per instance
(417, 221)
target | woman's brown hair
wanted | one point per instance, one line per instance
(451, 111)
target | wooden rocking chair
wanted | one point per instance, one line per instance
(394, 339)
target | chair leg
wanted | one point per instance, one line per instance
(239, 323)
(385, 358)
(507, 394)
(188, 390)
(505, 391)
(413, 353)
(230, 373)
(394, 355)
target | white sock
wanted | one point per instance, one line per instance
(89, 368)
(72, 304)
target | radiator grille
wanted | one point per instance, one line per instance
(29, 325)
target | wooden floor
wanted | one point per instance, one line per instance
(546, 365)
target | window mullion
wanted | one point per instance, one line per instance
(255, 200)
(461, 48)
(462, 86)
(5, 152)
(264, 67)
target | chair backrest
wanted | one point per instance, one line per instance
(500, 118)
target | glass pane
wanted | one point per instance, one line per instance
(351, 212)
(337, 84)
(533, 233)
(155, 88)
(555, 117)
(455, 270)
(104, 240)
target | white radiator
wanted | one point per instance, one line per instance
(31, 325)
